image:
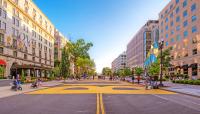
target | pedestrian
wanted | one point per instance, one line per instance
(133, 78)
(93, 77)
(138, 79)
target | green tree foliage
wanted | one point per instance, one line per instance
(127, 71)
(107, 71)
(138, 71)
(56, 71)
(166, 58)
(65, 63)
(1, 71)
(79, 49)
(23, 78)
(85, 65)
(154, 69)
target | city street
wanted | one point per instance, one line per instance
(99, 97)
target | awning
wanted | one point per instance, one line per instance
(2, 62)
(195, 65)
(185, 66)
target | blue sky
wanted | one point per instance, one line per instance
(109, 24)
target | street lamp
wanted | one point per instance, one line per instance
(161, 44)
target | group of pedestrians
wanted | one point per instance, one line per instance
(137, 79)
(150, 82)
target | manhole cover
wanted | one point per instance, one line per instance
(77, 88)
(124, 89)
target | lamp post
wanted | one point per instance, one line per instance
(161, 44)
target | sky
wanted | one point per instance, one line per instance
(108, 24)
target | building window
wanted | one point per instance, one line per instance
(185, 33)
(193, 7)
(171, 6)
(172, 32)
(14, 43)
(1, 38)
(15, 53)
(177, 10)
(25, 56)
(166, 44)
(166, 35)
(172, 23)
(4, 26)
(166, 20)
(4, 14)
(162, 23)
(194, 18)
(178, 19)
(185, 23)
(178, 37)
(178, 28)
(194, 51)
(171, 15)
(166, 27)
(172, 40)
(33, 58)
(194, 29)
(185, 14)
(185, 3)
(1, 50)
(194, 70)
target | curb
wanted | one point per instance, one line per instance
(180, 92)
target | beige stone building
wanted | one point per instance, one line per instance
(26, 38)
(180, 28)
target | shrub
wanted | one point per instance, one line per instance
(186, 81)
(196, 82)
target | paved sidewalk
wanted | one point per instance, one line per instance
(193, 90)
(6, 91)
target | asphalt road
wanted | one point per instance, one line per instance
(48, 104)
(5, 83)
(111, 103)
(150, 104)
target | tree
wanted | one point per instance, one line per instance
(23, 78)
(127, 71)
(1, 71)
(56, 71)
(138, 71)
(154, 69)
(166, 58)
(84, 65)
(79, 49)
(107, 71)
(65, 63)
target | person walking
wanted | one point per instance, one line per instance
(138, 79)
(133, 78)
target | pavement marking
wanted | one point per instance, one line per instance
(102, 104)
(65, 89)
(98, 109)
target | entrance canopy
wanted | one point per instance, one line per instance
(2, 62)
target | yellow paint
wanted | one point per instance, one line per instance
(98, 109)
(102, 104)
(92, 89)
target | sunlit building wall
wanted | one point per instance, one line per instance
(179, 28)
(26, 38)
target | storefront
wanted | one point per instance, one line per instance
(2, 68)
